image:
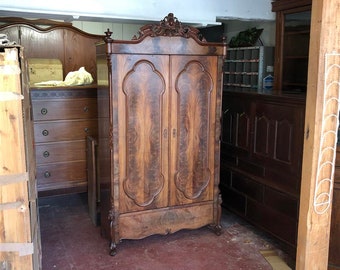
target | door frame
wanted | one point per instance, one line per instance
(320, 136)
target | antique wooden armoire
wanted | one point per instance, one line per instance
(159, 108)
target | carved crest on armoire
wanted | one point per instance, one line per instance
(159, 107)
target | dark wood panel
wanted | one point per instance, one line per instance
(234, 201)
(225, 176)
(279, 225)
(334, 242)
(283, 180)
(262, 135)
(337, 175)
(248, 187)
(278, 136)
(281, 5)
(104, 149)
(251, 167)
(265, 183)
(281, 202)
(236, 124)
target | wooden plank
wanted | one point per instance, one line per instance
(14, 223)
(321, 124)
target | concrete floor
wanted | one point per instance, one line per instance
(71, 241)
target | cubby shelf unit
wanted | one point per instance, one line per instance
(245, 67)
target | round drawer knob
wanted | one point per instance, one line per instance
(44, 111)
(45, 132)
(47, 174)
(86, 109)
(46, 154)
(86, 130)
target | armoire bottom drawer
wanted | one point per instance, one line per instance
(60, 152)
(61, 175)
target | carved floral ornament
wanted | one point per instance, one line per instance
(170, 26)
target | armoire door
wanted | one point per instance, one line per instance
(193, 120)
(142, 96)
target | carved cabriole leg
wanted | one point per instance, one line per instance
(113, 246)
(217, 228)
(219, 215)
(113, 249)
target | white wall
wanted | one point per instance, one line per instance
(233, 27)
(119, 30)
(128, 30)
(187, 11)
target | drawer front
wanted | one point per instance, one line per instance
(64, 130)
(61, 175)
(60, 152)
(64, 109)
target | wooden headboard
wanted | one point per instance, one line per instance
(74, 48)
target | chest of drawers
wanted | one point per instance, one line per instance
(63, 117)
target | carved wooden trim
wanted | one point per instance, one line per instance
(59, 93)
(170, 26)
(324, 179)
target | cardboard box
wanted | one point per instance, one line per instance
(42, 70)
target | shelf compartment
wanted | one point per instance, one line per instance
(245, 67)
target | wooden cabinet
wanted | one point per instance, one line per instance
(292, 45)
(63, 117)
(261, 159)
(159, 118)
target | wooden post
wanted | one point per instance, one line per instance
(322, 107)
